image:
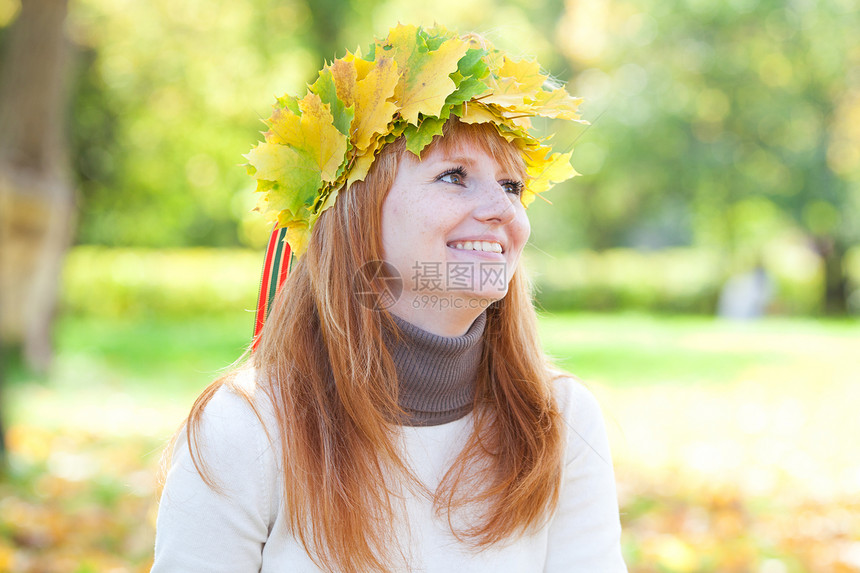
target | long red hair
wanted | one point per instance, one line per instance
(322, 362)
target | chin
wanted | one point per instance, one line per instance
(488, 296)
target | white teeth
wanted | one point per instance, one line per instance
(485, 246)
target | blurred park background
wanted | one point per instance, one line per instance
(720, 175)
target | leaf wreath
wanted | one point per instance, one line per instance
(410, 83)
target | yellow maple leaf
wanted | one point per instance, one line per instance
(362, 66)
(311, 134)
(526, 72)
(373, 111)
(515, 81)
(424, 82)
(321, 138)
(517, 117)
(298, 233)
(329, 202)
(557, 104)
(270, 212)
(344, 74)
(284, 127)
(545, 171)
(402, 41)
(362, 164)
(479, 113)
(509, 128)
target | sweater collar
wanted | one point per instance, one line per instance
(436, 374)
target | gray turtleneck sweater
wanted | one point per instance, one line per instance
(436, 374)
(244, 526)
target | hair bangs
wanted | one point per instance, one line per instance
(483, 136)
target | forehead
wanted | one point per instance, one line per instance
(461, 153)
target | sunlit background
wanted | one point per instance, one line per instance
(702, 276)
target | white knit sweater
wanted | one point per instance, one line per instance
(244, 528)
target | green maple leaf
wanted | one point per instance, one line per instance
(467, 89)
(419, 137)
(473, 64)
(326, 89)
(289, 102)
(424, 82)
(292, 176)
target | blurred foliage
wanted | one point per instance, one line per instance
(75, 502)
(683, 279)
(170, 95)
(729, 127)
(739, 463)
(720, 124)
(716, 124)
(723, 125)
(140, 283)
(103, 282)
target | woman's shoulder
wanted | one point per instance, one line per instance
(239, 394)
(229, 442)
(581, 412)
(238, 417)
(239, 400)
(221, 495)
(573, 396)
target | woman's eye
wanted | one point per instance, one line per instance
(456, 176)
(515, 187)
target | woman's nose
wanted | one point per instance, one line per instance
(494, 204)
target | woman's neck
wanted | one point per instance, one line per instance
(430, 315)
(436, 374)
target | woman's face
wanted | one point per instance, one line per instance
(454, 227)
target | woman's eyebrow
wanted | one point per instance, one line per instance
(463, 159)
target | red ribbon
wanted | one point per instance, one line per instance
(279, 260)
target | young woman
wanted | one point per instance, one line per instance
(419, 429)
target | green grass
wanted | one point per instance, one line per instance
(153, 351)
(177, 356)
(618, 349)
(623, 350)
(160, 364)
(135, 376)
(701, 413)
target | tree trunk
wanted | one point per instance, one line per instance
(36, 193)
(835, 278)
(326, 18)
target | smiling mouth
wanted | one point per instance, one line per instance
(482, 246)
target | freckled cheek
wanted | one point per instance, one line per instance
(417, 229)
(395, 228)
(523, 228)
